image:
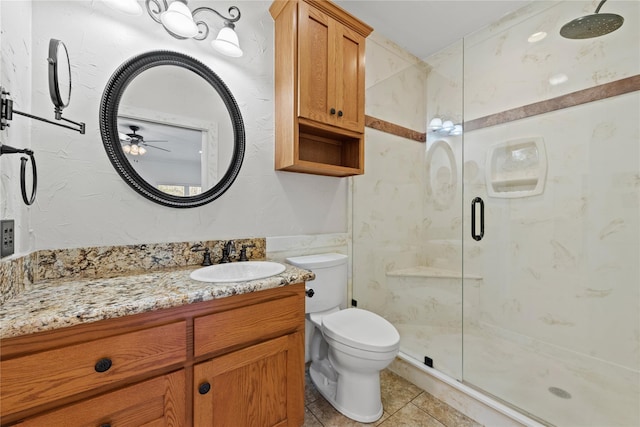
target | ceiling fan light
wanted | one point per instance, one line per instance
(126, 148)
(227, 43)
(178, 20)
(135, 149)
(142, 150)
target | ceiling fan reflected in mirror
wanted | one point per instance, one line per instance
(134, 143)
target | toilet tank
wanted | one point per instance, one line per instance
(330, 284)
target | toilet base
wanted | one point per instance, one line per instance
(325, 378)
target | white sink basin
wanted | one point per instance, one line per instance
(237, 271)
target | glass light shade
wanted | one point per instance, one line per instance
(178, 20)
(141, 150)
(227, 43)
(130, 7)
(134, 149)
(435, 124)
(447, 126)
(457, 130)
(126, 148)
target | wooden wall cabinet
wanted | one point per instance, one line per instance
(319, 84)
(233, 361)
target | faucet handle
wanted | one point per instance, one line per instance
(243, 252)
(206, 261)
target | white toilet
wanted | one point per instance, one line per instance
(347, 348)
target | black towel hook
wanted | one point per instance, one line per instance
(5, 149)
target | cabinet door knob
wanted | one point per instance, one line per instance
(340, 113)
(105, 425)
(204, 388)
(103, 365)
(332, 111)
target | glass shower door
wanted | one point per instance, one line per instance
(555, 329)
(407, 214)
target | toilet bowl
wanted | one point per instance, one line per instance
(347, 348)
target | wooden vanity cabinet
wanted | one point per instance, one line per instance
(149, 369)
(320, 85)
(251, 387)
(157, 402)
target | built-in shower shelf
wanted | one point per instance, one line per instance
(427, 271)
(516, 168)
(501, 184)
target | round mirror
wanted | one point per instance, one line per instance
(59, 74)
(172, 129)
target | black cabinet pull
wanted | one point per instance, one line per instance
(105, 425)
(204, 388)
(475, 203)
(103, 365)
(332, 111)
(310, 292)
(340, 113)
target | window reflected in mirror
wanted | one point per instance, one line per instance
(170, 125)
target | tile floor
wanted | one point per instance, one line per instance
(405, 405)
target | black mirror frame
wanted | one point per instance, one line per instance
(109, 126)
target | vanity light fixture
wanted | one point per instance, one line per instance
(444, 127)
(179, 21)
(130, 7)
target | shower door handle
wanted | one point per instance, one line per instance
(477, 205)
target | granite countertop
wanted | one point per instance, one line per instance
(62, 303)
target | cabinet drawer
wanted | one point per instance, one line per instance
(35, 379)
(157, 402)
(250, 324)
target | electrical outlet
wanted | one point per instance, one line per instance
(7, 237)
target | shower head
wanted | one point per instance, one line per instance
(595, 25)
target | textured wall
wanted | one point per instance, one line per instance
(83, 202)
(15, 78)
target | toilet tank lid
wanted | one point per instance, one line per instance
(318, 260)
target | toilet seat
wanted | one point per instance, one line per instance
(361, 329)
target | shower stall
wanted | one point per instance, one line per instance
(506, 248)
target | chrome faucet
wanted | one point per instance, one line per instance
(227, 250)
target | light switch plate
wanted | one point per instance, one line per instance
(7, 237)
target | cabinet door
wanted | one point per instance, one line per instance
(331, 70)
(153, 403)
(350, 47)
(316, 65)
(259, 386)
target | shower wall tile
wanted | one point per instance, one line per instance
(396, 80)
(281, 247)
(500, 62)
